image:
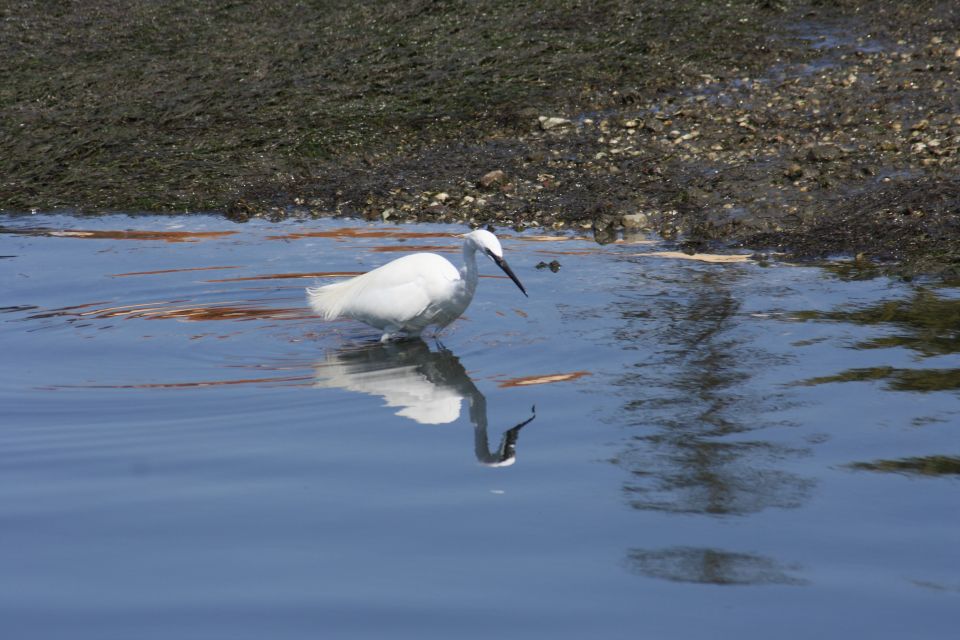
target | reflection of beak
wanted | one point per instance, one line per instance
(507, 270)
(507, 453)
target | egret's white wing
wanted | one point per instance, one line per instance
(389, 295)
(388, 306)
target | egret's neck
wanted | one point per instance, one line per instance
(469, 269)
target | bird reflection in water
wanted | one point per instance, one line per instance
(427, 386)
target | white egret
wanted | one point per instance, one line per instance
(413, 292)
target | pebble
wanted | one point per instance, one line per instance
(552, 122)
(824, 153)
(653, 125)
(493, 177)
(635, 221)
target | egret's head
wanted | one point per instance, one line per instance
(486, 242)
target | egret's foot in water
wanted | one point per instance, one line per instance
(398, 336)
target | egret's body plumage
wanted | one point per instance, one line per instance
(409, 294)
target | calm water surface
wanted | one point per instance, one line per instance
(647, 447)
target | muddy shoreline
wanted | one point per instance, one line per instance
(811, 128)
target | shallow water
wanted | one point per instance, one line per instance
(646, 447)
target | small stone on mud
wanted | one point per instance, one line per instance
(635, 221)
(824, 153)
(552, 123)
(654, 126)
(794, 171)
(492, 177)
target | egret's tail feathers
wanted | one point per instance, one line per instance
(327, 301)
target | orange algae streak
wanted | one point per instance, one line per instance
(700, 257)
(292, 276)
(545, 379)
(171, 310)
(193, 385)
(225, 313)
(162, 271)
(549, 238)
(166, 236)
(582, 252)
(347, 232)
(414, 249)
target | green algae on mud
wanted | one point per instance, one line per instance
(813, 127)
(166, 106)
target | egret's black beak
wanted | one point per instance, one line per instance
(507, 270)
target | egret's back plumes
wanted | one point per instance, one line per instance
(329, 300)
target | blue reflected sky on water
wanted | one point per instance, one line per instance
(187, 453)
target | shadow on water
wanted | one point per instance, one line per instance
(897, 379)
(693, 408)
(921, 466)
(925, 323)
(710, 566)
(695, 404)
(426, 386)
